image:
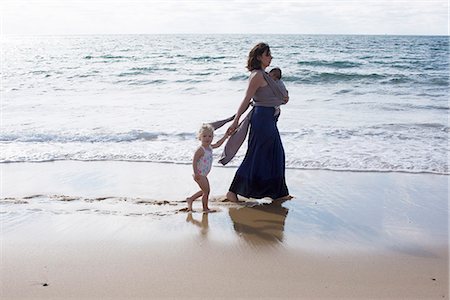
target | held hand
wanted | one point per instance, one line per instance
(232, 129)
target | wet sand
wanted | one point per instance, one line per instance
(120, 230)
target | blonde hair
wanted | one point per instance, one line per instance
(205, 127)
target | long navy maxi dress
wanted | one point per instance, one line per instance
(262, 172)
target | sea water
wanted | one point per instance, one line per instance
(357, 103)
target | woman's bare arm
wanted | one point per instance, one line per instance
(256, 81)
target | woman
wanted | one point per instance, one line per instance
(262, 172)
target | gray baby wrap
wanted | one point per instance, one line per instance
(267, 96)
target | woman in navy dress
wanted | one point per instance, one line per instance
(262, 172)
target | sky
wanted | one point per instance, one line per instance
(404, 17)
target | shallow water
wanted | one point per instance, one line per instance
(358, 103)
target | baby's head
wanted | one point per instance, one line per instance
(205, 129)
(275, 73)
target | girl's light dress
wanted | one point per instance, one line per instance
(205, 162)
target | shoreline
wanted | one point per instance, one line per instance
(229, 166)
(119, 230)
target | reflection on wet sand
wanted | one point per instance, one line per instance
(203, 224)
(261, 224)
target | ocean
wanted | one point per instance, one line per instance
(357, 103)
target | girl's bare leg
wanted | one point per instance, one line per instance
(204, 185)
(191, 199)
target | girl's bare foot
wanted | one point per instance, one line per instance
(189, 203)
(209, 210)
(232, 197)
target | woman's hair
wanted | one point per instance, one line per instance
(205, 127)
(253, 63)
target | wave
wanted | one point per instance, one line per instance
(142, 82)
(133, 73)
(317, 78)
(309, 166)
(107, 56)
(207, 58)
(410, 107)
(398, 79)
(412, 126)
(143, 69)
(241, 77)
(332, 64)
(187, 80)
(430, 130)
(326, 77)
(439, 81)
(133, 135)
(426, 107)
(407, 171)
(301, 77)
(146, 70)
(385, 132)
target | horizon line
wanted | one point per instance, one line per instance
(194, 33)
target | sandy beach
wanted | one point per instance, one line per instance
(119, 230)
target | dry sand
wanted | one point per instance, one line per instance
(119, 230)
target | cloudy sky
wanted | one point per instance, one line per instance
(421, 17)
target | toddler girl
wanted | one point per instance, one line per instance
(202, 162)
